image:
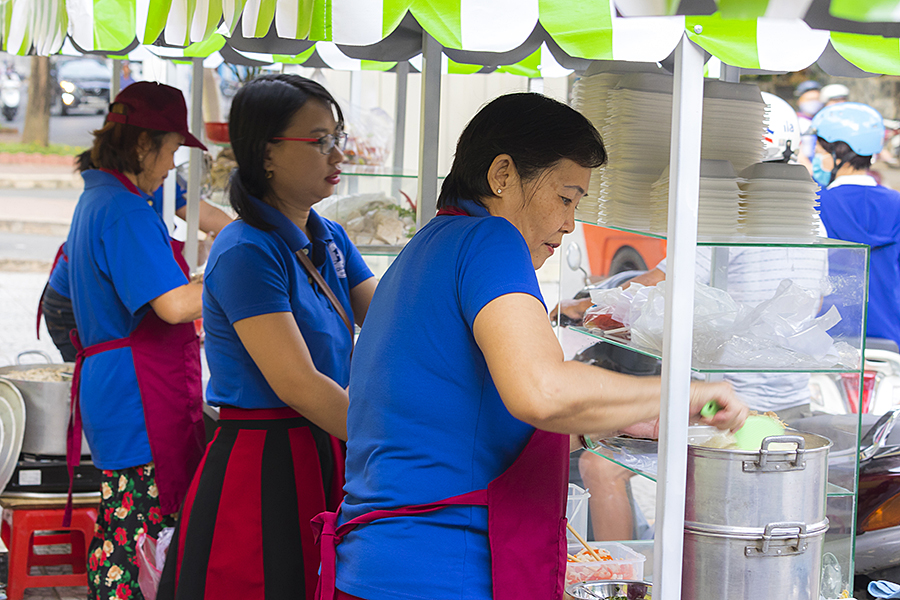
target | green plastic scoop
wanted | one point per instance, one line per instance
(756, 428)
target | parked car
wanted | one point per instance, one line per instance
(82, 85)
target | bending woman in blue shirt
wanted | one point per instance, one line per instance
(459, 384)
(278, 284)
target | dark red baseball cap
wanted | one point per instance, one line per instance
(156, 106)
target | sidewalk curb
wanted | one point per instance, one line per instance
(35, 158)
(35, 227)
(14, 265)
(46, 180)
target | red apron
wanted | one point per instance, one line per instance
(526, 523)
(167, 364)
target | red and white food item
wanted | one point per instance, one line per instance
(584, 567)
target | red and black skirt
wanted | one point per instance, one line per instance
(244, 532)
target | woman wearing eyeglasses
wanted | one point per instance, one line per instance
(283, 287)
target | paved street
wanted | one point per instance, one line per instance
(71, 130)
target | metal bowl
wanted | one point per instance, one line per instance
(610, 590)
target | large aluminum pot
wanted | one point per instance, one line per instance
(780, 560)
(754, 488)
(46, 407)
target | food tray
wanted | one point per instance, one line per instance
(625, 564)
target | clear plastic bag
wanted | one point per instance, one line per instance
(148, 573)
(780, 332)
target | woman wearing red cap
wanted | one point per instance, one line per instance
(136, 389)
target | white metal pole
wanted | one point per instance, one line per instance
(193, 195)
(400, 123)
(115, 83)
(718, 272)
(429, 125)
(684, 188)
(169, 76)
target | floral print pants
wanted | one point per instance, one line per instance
(128, 507)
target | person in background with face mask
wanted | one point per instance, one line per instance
(808, 104)
(854, 208)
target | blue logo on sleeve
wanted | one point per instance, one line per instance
(337, 258)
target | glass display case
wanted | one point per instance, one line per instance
(770, 314)
(376, 206)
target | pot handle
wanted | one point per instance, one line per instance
(38, 352)
(790, 529)
(783, 439)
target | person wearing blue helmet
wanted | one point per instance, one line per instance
(855, 208)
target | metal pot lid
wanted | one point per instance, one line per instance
(784, 530)
(12, 416)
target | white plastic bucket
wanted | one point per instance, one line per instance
(577, 511)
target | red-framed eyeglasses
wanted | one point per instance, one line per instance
(326, 143)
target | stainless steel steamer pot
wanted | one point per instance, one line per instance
(755, 520)
(46, 409)
(754, 488)
(781, 560)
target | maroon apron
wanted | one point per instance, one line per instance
(167, 364)
(526, 523)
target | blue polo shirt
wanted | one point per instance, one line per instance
(866, 214)
(59, 277)
(251, 272)
(119, 260)
(426, 421)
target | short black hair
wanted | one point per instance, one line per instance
(843, 152)
(261, 110)
(536, 131)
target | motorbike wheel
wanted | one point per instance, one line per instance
(627, 259)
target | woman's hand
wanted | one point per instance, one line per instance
(733, 412)
(574, 309)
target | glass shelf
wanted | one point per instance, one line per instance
(744, 240)
(379, 171)
(624, 343)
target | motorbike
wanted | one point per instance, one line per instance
(10, 95)
(836, 402)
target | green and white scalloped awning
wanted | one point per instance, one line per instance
(756, 34)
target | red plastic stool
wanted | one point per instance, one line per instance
(26, 527)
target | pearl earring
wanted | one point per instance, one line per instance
(499, 191)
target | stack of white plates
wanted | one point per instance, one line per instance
(719, 201)
(733, 123)
(589, 97)
(637, 131)
(778, 200)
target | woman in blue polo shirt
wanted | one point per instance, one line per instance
(136, 388)
(460, 398)
(280, 283)
(55, 303)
